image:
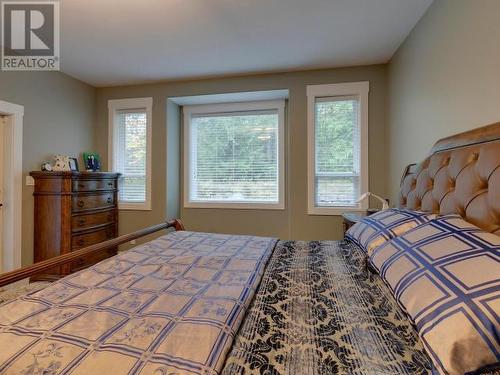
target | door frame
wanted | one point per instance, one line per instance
(13, 185)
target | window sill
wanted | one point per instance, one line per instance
(235, 206)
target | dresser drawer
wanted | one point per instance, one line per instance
(88, 221)
(83, 240)
(90, 260)
(89, 202)
(93, 185)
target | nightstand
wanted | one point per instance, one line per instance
(352, 217)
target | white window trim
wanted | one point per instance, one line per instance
(124, 104)
(278, 105)
(360, 89)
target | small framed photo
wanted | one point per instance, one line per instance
(92, 161)
(73, 164)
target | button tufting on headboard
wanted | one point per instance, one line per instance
(462, 175)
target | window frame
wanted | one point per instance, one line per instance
(131, 104)
(360, 90)
(221, 108)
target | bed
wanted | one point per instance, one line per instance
(205, 303)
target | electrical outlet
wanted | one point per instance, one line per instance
(30, 181)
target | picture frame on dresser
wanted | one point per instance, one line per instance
(92, 161)
(73, 210)
(73, 164)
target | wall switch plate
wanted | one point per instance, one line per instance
(30, 181)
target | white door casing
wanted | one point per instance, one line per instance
(12, 187)
(3, 124)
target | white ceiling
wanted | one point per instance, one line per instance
(115, 42)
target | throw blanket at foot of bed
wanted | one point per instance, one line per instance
(171, 306)
(318, 311)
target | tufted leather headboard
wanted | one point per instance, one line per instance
(461, 175)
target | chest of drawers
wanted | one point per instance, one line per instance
(73, 210)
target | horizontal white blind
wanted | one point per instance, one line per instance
(234, 157)
(337, 151)
(130, 154)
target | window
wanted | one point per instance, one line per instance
(233, 155)
(130, 150)
(338, 147)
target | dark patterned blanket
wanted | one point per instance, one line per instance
(319, 311)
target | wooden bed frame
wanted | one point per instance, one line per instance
(37, 268)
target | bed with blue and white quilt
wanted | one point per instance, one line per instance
(200, 303)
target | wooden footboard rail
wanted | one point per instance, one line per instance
(34, 269)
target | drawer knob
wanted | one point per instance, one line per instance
(81, 186)
(80, 242)
(110, 200)
(109, 233)
(110, 184)
(80, 204)
(82, 222)
(110, 217)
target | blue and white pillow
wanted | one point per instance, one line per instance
(446, 275)
(376, 229)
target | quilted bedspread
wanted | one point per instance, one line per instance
(320, 311)
(171, 306)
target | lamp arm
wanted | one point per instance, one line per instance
(385, 205)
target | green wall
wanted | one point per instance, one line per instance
(444, 79)
(59, 114)
(291, 223)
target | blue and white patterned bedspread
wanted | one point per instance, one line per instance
(171, 306)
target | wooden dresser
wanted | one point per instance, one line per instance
(73, 210)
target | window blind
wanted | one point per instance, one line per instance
(337, 151)
(131, 131)
(234, 157)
